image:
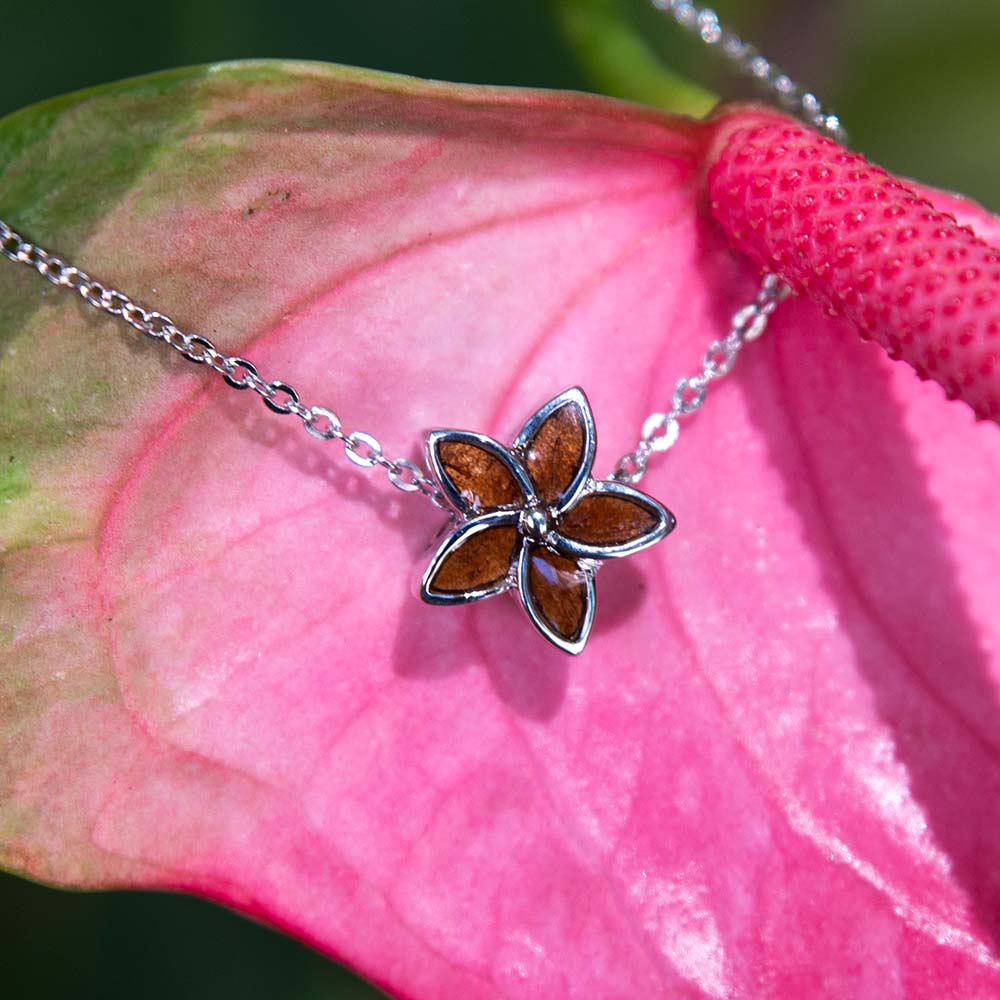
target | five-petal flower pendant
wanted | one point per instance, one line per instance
(533, 520)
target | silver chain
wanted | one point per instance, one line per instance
(659, 431)
(361, 448)
(747, 61)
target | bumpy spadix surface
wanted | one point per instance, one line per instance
(773, 773)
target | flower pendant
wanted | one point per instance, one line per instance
(533, 520)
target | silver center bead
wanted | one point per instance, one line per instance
(535, 523)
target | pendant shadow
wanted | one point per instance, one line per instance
(915, 645)
(526, 673)
(325, 460)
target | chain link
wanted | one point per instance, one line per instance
(747, 61)
(660, 430)
(361, 448)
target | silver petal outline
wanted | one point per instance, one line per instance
(524, 592)
(573, 549)
(453, 541)
(574, 396)
(455, 497)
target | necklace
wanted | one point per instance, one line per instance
(529, 518)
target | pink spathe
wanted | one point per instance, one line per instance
(773, 772)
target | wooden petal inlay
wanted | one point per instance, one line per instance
(480, 561)
(608, 519)
(558, 592)
(556, 452)
(479, 475)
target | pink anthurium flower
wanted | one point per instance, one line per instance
(774, 770)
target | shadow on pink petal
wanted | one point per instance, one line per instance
(432, 642)
(622, 586)
(411, 515)
(528, 675)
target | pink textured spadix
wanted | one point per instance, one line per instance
(865, 245)
(774, 771)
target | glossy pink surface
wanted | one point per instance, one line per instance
(774, 771)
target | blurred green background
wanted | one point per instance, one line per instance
(916, 83)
